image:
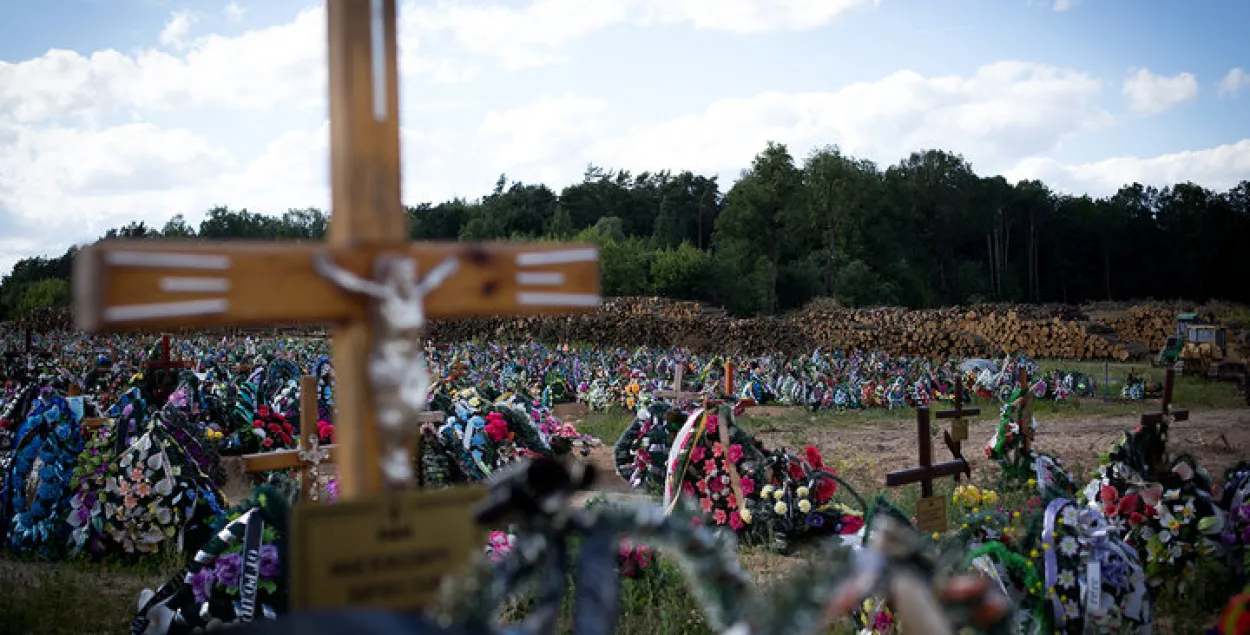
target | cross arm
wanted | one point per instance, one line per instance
(282, 460)
(959, 413)
(1156, 418)
(917, 474)
(146, 285)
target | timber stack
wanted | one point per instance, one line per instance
(1146, 326)
(987, 330)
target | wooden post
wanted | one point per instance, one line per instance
(130, 286)
(930, 511)
(1162, 421)
(1024, 410)
(927, 470)
(959, 423)
(142, 285)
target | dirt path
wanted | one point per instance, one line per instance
(866, 451)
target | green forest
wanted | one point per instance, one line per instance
(923, 233)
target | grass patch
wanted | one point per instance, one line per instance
(70, 598)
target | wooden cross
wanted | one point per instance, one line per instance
(959, 423)
(133, 286)
(166, 363)
(308, 457)
(927, 471)
(1162, 421)
(1024, 410)
(677, 394)
(1166, 414)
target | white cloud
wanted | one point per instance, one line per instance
(177, 28)
(1218, 168)
(1151, 94)
(1064, 5)
(233, 11)
(1001, 113)
(91, 141)
(539, 33)
(545, 131)
(1233, 82)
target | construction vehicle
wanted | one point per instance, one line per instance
(1203, 347)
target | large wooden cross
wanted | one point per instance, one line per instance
(1162, 422)
(1166, 414)
(958, 416)
(308, 458)
(136, 286)
(927, 470)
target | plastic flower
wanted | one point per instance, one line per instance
(805, 506)
(780, 508)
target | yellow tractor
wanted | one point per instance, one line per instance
(1204, 348)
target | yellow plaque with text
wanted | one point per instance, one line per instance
(387, 552)
(931, 515)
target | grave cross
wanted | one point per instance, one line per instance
(1024, 410)
(927, 471)
(1166, 415)
(310, 454)
(132, 286)
(1162, 421)
(958, 416)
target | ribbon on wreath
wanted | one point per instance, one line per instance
(1101, 550)
(691, 431)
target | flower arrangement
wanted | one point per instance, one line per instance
(634, 559)
(797, 499)
(874, 617)
(37, 489)
(499, 544)
(325, 432)
(643, 447)
(700, 469)
(478, 440)
(1050, 557)
(90, 472)
(269, 431)
(971, 497)
(1235, 497)
(219, 573)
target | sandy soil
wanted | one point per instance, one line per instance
(1218, 438)
(865, 450)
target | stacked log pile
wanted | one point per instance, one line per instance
(977, 331)
(1143, 325)
(1053, 331)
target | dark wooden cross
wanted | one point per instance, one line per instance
(1161, 421)
(927, 471)
(1166, 414)
(155, 373)
(1024, 410)
(144, 285)
(959, 423)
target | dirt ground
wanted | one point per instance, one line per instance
(864, 451)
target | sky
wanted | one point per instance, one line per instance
(114, 111)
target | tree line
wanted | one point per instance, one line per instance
(925, 232)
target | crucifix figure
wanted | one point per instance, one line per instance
(927, 471)
(365, 279)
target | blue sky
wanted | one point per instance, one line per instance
(158, 107)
